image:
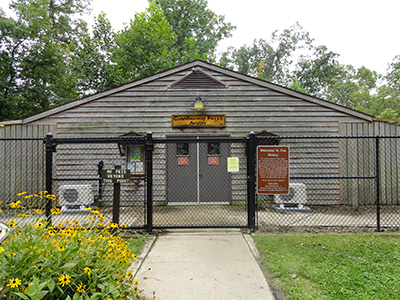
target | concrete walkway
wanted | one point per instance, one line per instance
(208, 264)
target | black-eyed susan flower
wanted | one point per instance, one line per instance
(87, 270)
(16, 204)
(55, 211)
(81, 288)
(14, 282)
(22, 193)
(12, 224)
(64, 280)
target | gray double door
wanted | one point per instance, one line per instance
(197, 172)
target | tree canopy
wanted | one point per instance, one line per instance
(48, 56)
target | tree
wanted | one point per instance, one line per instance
(270, 60)
(34, 49)
(146, 46)
(92, 58)
(191, 19)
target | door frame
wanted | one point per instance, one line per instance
(198, 136)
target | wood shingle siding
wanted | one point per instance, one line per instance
(248, 104)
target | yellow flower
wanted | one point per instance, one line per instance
(38, 211)
(81, 288)
(14, 282)
(15, 204)
(43, 192)
(40, 225)
(129, 274)
(23, 215)
(20, 194)
(12, 254)
(2, 249)
(136, 282)
(64, 280)
(87, 270)
(55, 211)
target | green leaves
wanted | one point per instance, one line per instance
(192, 19)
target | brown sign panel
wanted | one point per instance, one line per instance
(116, 176)
(198, 121)
(273, 170)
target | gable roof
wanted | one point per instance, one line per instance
(208, 66)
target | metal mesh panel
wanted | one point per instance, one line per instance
(340, 178)
(193, 188)
(21, 170)
(77, 167)
(389, 183)
(336, 182)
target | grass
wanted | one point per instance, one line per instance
(136, 243)
(363, 266)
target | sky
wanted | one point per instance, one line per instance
(363, 32)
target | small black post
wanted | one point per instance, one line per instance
(50, 148)
(377, 181)
(251, 181)
(100, 172)
(116, 199)
(149, 178)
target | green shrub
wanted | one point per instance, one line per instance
(67, 261)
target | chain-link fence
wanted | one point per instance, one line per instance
(335, 182)
(22, 164)
(195, 185)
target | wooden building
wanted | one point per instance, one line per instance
(233, 105)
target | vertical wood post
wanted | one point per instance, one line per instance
(251, 182)
(149, 180)
(116, 199)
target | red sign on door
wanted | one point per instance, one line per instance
(273, 170)
(213, 160)
(183, 161)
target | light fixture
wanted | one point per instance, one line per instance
(198, 104)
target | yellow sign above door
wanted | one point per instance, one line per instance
(198, 121)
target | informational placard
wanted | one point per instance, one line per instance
(198, 121)
(233, 164)
(213, 160)
(116, 176)
(273, 170)
(183, 161)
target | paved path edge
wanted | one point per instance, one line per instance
(136, 264)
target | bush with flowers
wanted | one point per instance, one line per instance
(67, 261)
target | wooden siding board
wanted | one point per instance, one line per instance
(149, 106)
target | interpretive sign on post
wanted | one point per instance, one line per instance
(272, 170)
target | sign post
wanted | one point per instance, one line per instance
(272, 170)
(116, 176)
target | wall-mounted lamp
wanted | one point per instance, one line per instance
(198, 104)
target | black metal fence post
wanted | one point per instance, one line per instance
(50, 148)
(377, 182)
(149, 179)
(251, 181)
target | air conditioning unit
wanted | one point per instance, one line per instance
(75, 196)
(297, 196)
